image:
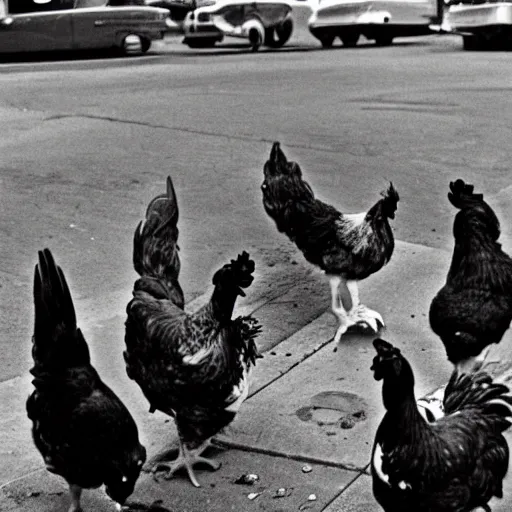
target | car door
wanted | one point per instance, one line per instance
(94, 25)
(36, 31)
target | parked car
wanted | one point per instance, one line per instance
(177, 8)
(261, 22)
(377, 20)
(47, 25)
(482, 25)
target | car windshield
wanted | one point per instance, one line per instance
(471, 2)
(25, 6)
(83, 4)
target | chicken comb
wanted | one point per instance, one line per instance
(384, 348)
(244, 260)
(461, 192)
(391, 192)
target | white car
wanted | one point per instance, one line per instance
(378, 20)
(264, 22)
(482, 26)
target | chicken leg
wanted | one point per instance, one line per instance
(186, 459)
(76, 492)
(337, 307)
(357, 314)
(361, 314)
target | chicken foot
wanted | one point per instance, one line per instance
(360, 313)
(357, 314)
(186, 459)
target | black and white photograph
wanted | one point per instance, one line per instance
(255, 255)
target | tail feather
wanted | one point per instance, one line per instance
(476, 216)
(155, 248)
(478, 391)
(57, 342)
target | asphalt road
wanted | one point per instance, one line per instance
(86, 144)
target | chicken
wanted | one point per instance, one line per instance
(347, 247)
(454, 464)
(82, 429)
(193, 367)
(474, 308)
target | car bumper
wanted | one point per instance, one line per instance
(470, 18)
(371, 13)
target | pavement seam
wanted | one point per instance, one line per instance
(183, 129)
(233, 445)
(293, 366)
(342, 490)
(21, 477)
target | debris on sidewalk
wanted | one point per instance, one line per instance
(253, 495)
(134, 506)
(248, 479)
(307, 503)
(307, 468)
(283, 492)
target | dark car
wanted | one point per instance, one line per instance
(47, 25)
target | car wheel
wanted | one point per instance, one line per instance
(279, 36)
(385, 40)
(473, 42)
(326, 40)
(202, 42)
(132, 44)
(350, 40)
(145, 44)
(255, 31)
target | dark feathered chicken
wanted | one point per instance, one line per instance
(474, 308)
(194, 367)
(83, 431)
(348, 247)
(454, 464)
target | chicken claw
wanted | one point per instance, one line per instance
(363, 314)
(186, 459)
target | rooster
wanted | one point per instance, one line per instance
(82, 429)
(474, 308)
(347, 247)
(193, 367)
(454, 464)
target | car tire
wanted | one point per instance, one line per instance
(326, 39)
(474, 42)
(350, 39)
(145, 44)
(201, 42)
(276, 37)
(384, 40)
(257, 33)
(131, 44)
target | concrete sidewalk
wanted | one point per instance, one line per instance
(309, 423)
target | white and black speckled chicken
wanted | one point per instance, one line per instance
(347, 247)
(454, 464)
(193, 367)
(474, 308)
(82, 429)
